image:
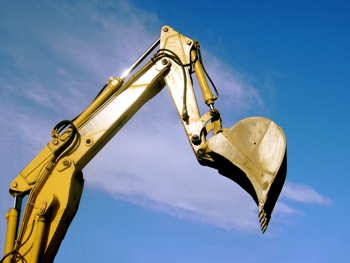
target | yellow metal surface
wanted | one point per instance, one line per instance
(208, 96)
(39, 239)
(257, 146)
(111, 87)
(56, 195)
(12, 223)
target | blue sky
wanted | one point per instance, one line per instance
(146, 199)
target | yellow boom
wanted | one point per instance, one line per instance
(252, 152)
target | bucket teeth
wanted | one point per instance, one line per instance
(264, 220)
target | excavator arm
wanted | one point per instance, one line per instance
(251, 153)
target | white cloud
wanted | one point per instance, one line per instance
(150, 161)
(304, 194)
(281, 209)
(154, 166)
(235, 93)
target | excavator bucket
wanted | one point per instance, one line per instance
(253, 154)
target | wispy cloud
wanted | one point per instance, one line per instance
(149, 162)
(304, 194)
(236, 93)
(155, 167)
(282, 210)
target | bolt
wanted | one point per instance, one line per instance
(165, 29)
(189, 42)
(55, 142)
(195, 139)
(66, 162)
(213, 111)
(14, 185)
(200, 152)
(164, 61)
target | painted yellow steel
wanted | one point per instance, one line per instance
(12, 223)
(39, 238)
(257, 146)
(112, 86)
(208, 96)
